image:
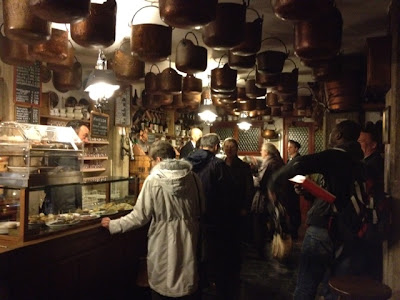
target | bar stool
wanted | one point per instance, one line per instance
(359, 288)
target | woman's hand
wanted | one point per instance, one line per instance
(105, 222)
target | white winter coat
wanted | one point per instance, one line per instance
(170, 199)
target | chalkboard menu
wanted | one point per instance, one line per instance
(123, 108)
(26, 114)
(98, 125)
(27, 84)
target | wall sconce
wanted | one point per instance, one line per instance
(101, 83)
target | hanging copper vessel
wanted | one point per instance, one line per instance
(20, 24)
(228, 28)
(177, 102)
(151, 42)
(192, 84)
(252, 41)
(170, 82)
(223, 79)
(239, 62)
(97, 29)
(344, 94)
(54, 50)
(252, 91)
(319, 38)
(265, 80)
(69, 79)
(60, 11)
(190, 58)
(127, 68)
(271, 61)
(14, 53)
(298, 10)
(65, 64)
(187, 14)
(151, 84)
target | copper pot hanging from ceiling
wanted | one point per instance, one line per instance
(127, 68)
(272, 61)
(223, 79)
(298, 10)
(190, 58)
(98, 28)
(53, 50)
(14, 53)
(252, 91)
(60, 11)
(170, 82)
(20, 24)
(65, 64)
(187, 14)
(319, 38)
(151, 42)
(252, 41)
(239, 62)
(228, 28)
(69, 79)
(191, 84)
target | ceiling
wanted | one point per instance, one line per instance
(361, 19)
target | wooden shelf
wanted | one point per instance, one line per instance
(98, 142)
(94, 158)
(93, 170)
(61, 118)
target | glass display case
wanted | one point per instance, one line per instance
(34, 155)
(23, 215)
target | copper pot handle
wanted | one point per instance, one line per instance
(153, 66)
(258, 15)
(278, 39)
(295, 66)
(247, 77)
(154, 6)
(219, 62)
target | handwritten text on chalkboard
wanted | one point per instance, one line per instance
(99, 125)
(27, 84)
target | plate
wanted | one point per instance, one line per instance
(88, 217)
(104, 213)
(57, 224)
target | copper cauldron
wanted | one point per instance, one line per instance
(187, 14)
(239, 62)
(170, 82)
(69, 79)
(20, 24)
(252, 41)
(14, 53)
(54, 50)
(229, 27)
(265, 80)
(65, 64)
(271, 61)
(192, 84)
(127, 68)
(60, 11)
(190, 58)
(252, 91)
(298, 10)
(98, 29)
(223, 79)
(151, 42)
(151, 84)
(319, 38)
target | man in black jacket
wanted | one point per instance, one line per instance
(339, 167)
(190, 146)
(221, 261)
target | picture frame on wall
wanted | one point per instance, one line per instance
(386, 126)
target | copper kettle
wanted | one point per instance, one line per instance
(269, 133)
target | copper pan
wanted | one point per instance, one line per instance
(151, 42)
(54, 50)
(163, 99)
(187, 14)
(298, 10)
(239, 62)
(151, 84)
(252, 41)
(252, 91)
(65, 64)
(127, 67)
(192, 84)
(20, 24)
(271, 61)
(14, 53)
(176, 102)
(149, 101)
(272, 99)
(60, 11)
(170, 82)
(191, 100)
(98, 29)
(69, 79)
(288, 82)
(265, 80)
(228, 28)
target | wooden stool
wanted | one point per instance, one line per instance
(359, 288)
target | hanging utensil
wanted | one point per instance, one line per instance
(190, 58)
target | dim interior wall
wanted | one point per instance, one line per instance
(7, 112)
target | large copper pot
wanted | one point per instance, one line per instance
(187, 14)
(54, 50)
(344, 94)
(252, 91)
(271, 61)
(69, 79)
(272, 99)
(265, 80)
(60, 11)
(298, 10)
(176, 102)
(192, 84)
(239, 62)
(170, 82)
(252, 41)
(190, 58)
(127, 68)
(151, 84)
(65, 64)
(223, 79)
(288, 82)
(192, 101)
(319, 38)
(229, 27)
(98, 29)
(14, 53)
(20, 24)
(303, 101)
(226, 97)
(151, 42)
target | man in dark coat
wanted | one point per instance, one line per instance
(190, 146)
(221, 257)
(340, 167)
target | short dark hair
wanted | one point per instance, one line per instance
(349, 130)
(375, 130)
(76, 124)
(162, 149)
(295, 143)
(231, 140)
(210, 140)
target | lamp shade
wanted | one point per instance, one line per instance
(101, 84)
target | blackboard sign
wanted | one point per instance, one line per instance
(27, 84)
(123, 108)
(25, 114)
(98, 125)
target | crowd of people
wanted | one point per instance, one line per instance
(202, 208)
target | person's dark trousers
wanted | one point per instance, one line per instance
(157, 296)
(260, 232)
